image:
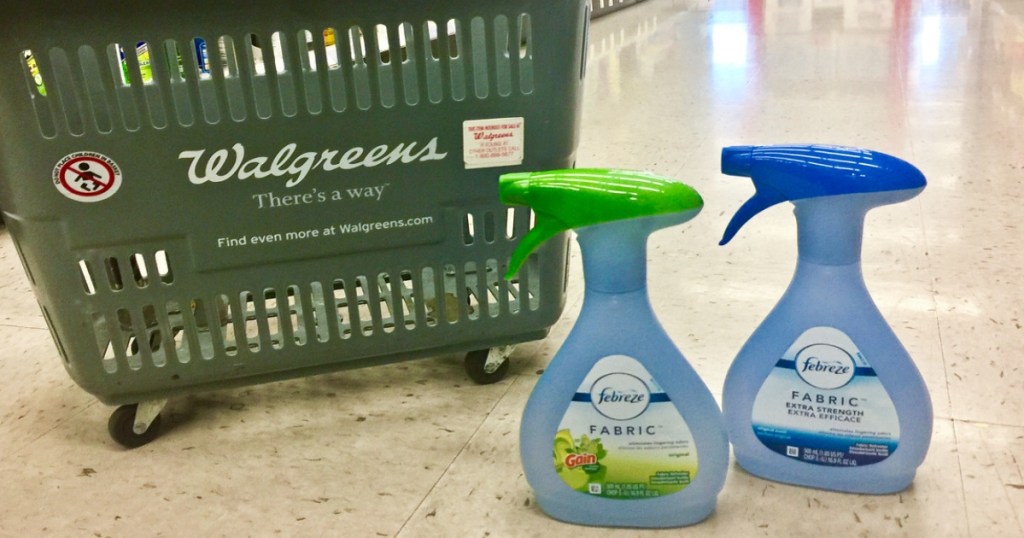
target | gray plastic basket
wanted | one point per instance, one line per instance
(212, 194)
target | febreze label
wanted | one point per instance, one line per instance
(622, 437)
(823, 404)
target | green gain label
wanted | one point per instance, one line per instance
(622, 437)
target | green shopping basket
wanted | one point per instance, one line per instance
(215, 194)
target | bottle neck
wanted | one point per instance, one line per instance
(614, 256)
(830, 229)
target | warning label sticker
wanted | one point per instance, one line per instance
(493, 142)
(87, 176)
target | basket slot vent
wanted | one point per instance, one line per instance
(490, 227)
(140, 273)
(114, 274)
(411, 308)
(411, 59)
(228, 336)
(117, 85)
(510, 223)
(514, 293)
(129, 347)
(456, 58)
(343, 309)
(154, 337)
(176, 320)
(364, 306)
(249, 322)
(385, 67)
(496, 294)
(338, 72)
(136, 72)
(387, 303)
(525, 54)
(67, 92)
(88, 281)
(273, 318)
(360, 68)
(104, 343)
(297, 316)
(95, 90)
(259, 85)
(473, 295)
(533, 281)
(432, 44)
(478, 48)
(36, 82)
(163, 267)
(468, 229)
(319, 310)
(200, 66)
(502, 56)
(452, 305)
(281, 50)
(435, 306)
(207, 318)
(310, 78)
(177, 85)
(232, 79)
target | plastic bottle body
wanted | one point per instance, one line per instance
(621, 323)
(828, 297)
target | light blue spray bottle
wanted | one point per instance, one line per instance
(620, 430)
(823, 394)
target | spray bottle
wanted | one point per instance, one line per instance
(823, 394)
(620, 430)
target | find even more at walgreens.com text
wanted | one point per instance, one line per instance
(364, 228)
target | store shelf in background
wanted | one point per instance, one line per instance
(604, 7)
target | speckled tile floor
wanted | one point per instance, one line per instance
(416, 450)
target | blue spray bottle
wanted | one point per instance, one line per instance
(823, 394)
(620, 430)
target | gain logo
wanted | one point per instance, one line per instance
(620, 396)
(825, 366)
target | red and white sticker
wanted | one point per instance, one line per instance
(86, 176)
(493, 142)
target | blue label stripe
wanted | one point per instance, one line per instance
(858, 371)
(657, 397)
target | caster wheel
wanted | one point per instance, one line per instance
(122, 427)
(476, 368)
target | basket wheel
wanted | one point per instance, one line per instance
(121, 427)
(476, 368)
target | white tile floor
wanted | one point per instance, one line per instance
(416, 450)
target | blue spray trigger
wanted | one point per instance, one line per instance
(762, 199)
(796, 172)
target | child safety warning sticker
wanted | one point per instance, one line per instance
(622, 437)
(87, 176)
(823, 404)
(493, 142)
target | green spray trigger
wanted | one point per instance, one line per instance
(571, 199)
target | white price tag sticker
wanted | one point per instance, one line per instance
(493, 142)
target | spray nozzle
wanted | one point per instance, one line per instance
(571, 199)
(797, 172)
